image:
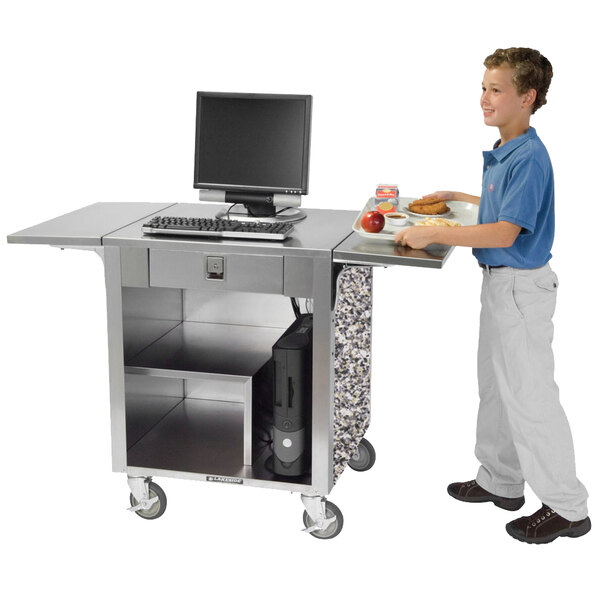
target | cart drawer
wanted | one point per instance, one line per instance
(195, 270)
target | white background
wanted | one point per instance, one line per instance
(97, 104)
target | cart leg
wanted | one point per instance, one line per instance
(315, 507)
(140, 490)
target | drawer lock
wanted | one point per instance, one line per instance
(215, 267)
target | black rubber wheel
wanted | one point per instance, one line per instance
(364, 458)
(157, 509)
(331, 510)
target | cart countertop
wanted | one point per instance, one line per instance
(86, 226)
(325, 233)
(318, 234)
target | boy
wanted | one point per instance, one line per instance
(522, 431)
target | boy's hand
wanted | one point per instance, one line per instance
(441, 195)
(416, 237)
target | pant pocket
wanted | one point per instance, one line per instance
(514, 299)
(548, 282)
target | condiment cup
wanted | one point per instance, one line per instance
(396, 219)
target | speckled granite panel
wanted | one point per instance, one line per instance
(352, 374)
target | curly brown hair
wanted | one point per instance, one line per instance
(531, 70)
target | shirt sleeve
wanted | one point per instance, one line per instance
(523, 195)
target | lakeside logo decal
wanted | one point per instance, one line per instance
(224, 479)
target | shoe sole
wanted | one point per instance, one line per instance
(511, 504)
(574, 532)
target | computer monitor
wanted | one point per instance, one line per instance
(253, 149)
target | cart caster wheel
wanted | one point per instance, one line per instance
(158, 508)
(331, 510)
(364, 458)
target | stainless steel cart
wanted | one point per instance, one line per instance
(185, 349)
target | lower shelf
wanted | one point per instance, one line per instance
(202, 437)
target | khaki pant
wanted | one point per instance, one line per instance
(522, 430)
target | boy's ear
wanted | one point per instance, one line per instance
(529, 98)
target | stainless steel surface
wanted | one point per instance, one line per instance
(197, 435)
(298, 277)
(247, 402)
(209, 362)
(318, 234)
(219, 387)
(358, 250)
(238, 308)
(202, 437)
(139, 333)
(114, 313)
(119, 224)
(134, 267)
(146, 411)
(86, 226)
(255, 476)
(148, 400)
(152, 303)
(248, 273)
(148, 313)
(322, 388)
(224, 390)
(210, 348)
(143, 386)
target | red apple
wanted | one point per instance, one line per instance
(373, 222)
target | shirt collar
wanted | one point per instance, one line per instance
(501, 152)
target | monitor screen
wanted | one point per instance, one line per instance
(252, 142)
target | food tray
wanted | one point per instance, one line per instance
(464, 213)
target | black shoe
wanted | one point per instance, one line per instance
(471, 491)
(545, 525)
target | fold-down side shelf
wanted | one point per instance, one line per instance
(358, 250)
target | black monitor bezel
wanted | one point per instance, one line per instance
(249, 188)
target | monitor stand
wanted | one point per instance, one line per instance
(283, 215)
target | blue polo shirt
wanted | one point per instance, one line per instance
(518, 186)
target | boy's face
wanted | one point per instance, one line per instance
(501, 104)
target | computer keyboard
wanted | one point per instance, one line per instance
(228, 228)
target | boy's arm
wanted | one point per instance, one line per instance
(461, 196)
(489, 235)
(466, 198)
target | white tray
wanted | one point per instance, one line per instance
(463, 212)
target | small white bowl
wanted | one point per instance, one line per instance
(396, 219)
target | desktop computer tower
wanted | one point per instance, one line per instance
(292, 398)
